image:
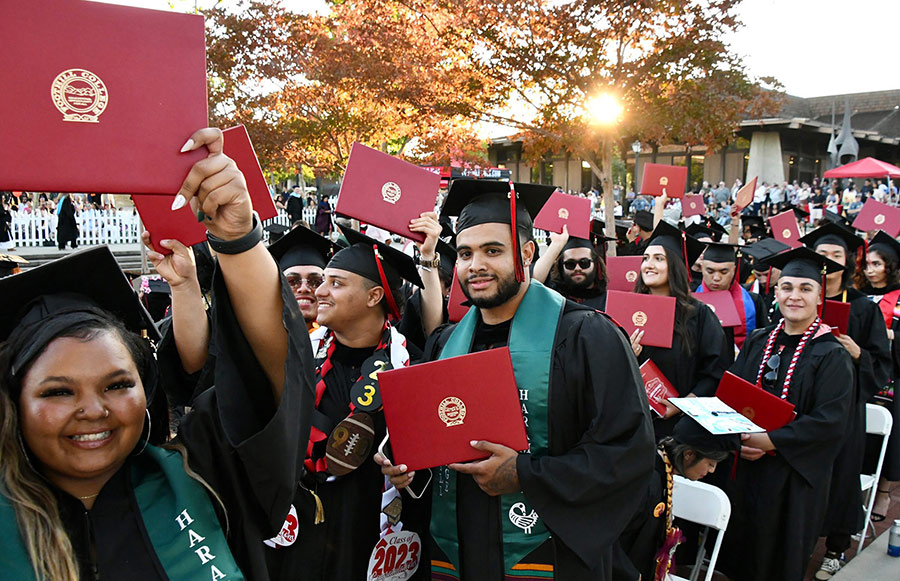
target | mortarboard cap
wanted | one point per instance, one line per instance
(690, 432)
(799, 212)
(359, 258)
(677, 241)
(10, 264)
(886, 245)
(836, 218)
(832, 233)
(598, 230)
(801, 262)
(301, 247)
(762, 250)
(447, 253)
(276, 231)
(85, 279)
(644, 220)
(757, 221)
(720, 252)
(710, 229)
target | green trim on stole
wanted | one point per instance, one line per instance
(164, 494)
(531, 339)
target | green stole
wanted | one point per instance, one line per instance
(531, 338)
(177, 514)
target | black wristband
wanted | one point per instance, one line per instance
(242, 244)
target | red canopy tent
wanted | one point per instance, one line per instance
(867, 167)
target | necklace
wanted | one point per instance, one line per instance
(770, 343)
(89, 496)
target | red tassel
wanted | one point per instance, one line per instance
(392, 304)
(517, 252)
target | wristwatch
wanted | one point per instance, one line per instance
(434, 263)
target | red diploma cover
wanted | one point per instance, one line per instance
(385, 191)
(837, 316)
(744, 196)
(767, 411)
(662, 179)
(565, 210)
(433, 410)
(622, 272)
(657, 386)
(785, 230)
(692, 205)
(652, 314)
(455, 307)
(721, 303)
(878, 216)
(100, 97)
(162, 223)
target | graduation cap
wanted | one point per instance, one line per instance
(690, 432)
(801, 262)
(598, 230)
(644, 220)
(753, 222)
(834, 217)
(764, 249)
(378, 262)
(720, 252)
(677, 241)
(276, 231)
(832, 233)
(447, 252)
(301, 247)
(799, 212)
(886, 245)
(10, 264)
(711, 230)
(494, 202)
(84, 280)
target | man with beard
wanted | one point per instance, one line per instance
(576, 269)
(591, 441)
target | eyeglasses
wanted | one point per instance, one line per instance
(773, 363)
(297, 281)
(583, 264)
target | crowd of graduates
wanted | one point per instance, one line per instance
(215, 442)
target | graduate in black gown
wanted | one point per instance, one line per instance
(692, 452)
(699, 354)
(341, 519)
(574, 268)
(560, 507)
(638, 234)
(764, 278)
(867, 343)
(102, 500)
(778, 500)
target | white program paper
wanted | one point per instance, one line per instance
(715, 415)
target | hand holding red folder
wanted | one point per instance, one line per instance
(768, 411)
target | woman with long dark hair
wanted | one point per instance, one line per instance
(883, 287)
(91, 486)
(698, 357)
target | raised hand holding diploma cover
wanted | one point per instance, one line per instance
(652, 314)
(622, 272)
(662, 179)
(768, 411)
(692, 205)
(434, 410)
(565, 210)
(715, 415)
(387, 192)
(99, 97)
(658, 387)
(165, 224)
(744, 196)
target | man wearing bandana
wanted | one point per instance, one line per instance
(779, 493)
(359, 304)
(558, 508)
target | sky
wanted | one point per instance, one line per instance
(799, 42)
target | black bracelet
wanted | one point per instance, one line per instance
(242, 244)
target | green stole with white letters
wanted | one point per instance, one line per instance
(177, 514)
(531, 337)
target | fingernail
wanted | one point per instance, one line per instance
(402, 467)
(178, 202)
(166, 243)
(188, 145)
(200, 216)
(473, 442)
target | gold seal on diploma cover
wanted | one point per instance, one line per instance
(639, 318)
(786, 233)
(79, 95)
(631, 275)
(879, 219)
(664, 181)
(390, 192)
(563, 213)
(452, 411)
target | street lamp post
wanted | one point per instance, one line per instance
(636, 148)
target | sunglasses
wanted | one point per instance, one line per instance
(583, 264)
(773, 363)
(297, 281)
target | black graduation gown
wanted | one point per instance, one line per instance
(778, 501)
(762, 320)
(411, 325)
(591, 297)
(871, 373)
(338, 549)
(66, 226)
(634, 248)
(599, 463)
(637, 546)
(698, 373)
(239, 442)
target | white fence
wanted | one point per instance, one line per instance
(97, 227)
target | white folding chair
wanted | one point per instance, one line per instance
(705, 505)
(879, 423)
